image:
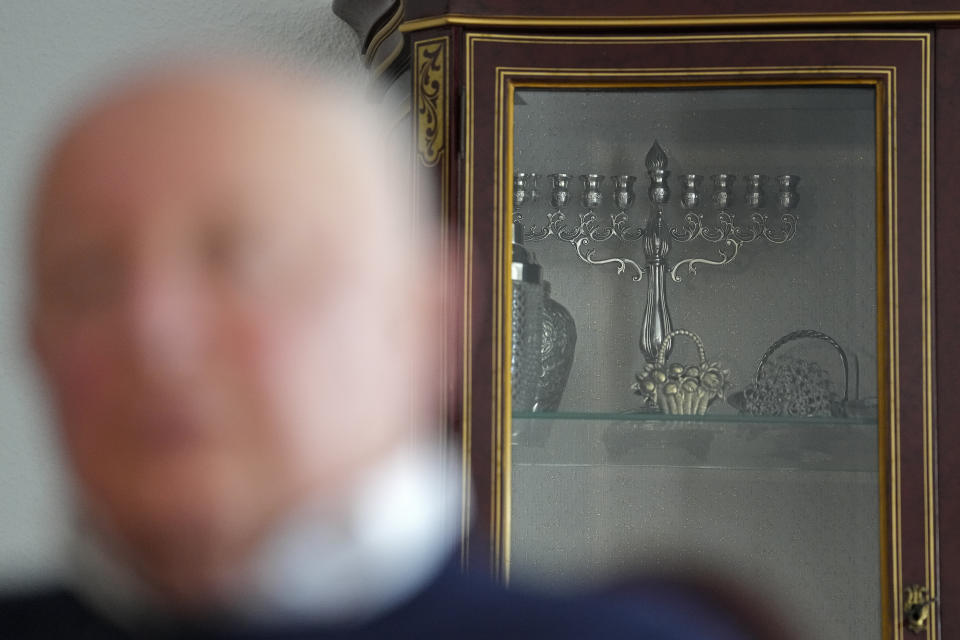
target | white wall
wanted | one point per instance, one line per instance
(51, 51)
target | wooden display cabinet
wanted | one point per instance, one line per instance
(848, 518)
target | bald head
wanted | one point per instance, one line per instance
(204, 127)
(224, 310)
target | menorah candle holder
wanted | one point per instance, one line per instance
(591, 227)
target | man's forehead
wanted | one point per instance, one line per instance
(203, 128)
(203, 104)
(207, 120)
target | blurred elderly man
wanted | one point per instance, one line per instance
(245, 392)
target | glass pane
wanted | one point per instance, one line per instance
(746, 217)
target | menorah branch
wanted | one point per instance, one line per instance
(728, 236)
(622, 263)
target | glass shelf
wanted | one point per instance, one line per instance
(771, 421)
(705, 442)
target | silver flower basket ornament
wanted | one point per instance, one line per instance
(681, 389)
(790, 386)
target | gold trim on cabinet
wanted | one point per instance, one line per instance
(811, 36)
(702, 20)
(506, 201)
(384, 32)
(503, 75)
(889, 475)
(885, 446)
(928, 383)
(467, 346)
(502, 401)
(383, 66)
(891, 551)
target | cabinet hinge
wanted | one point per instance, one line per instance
(916, 608)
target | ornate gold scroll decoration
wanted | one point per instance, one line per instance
(431, 69)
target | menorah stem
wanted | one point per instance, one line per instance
(656, 315)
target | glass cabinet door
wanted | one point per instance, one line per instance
(694, 341)
(698, 316)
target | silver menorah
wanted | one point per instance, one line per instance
(726, 234)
